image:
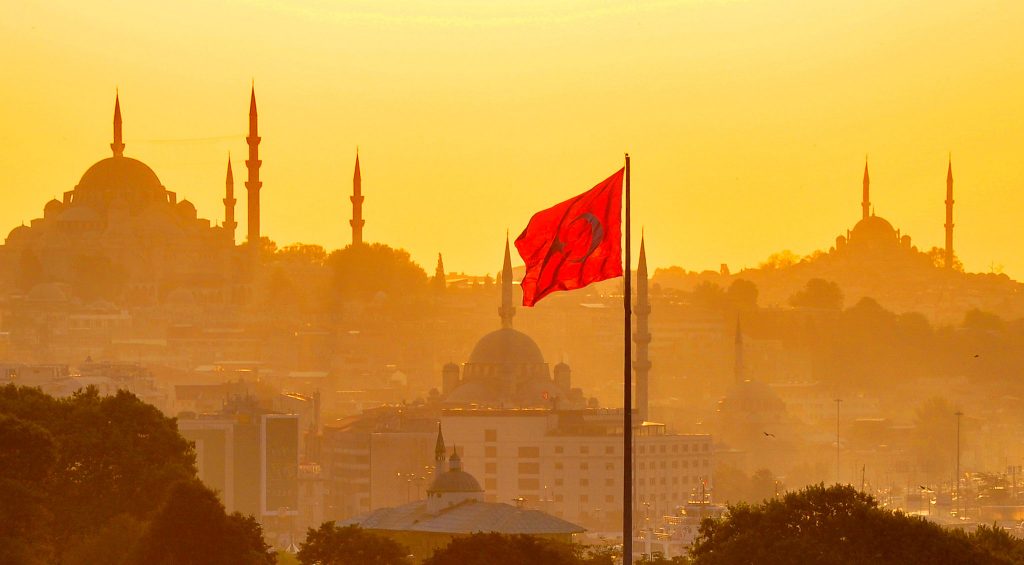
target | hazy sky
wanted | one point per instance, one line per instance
(748, 122)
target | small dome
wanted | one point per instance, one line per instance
(19, 233)
(506, 347)
(454, 481)
(187, 209)
(52, 207)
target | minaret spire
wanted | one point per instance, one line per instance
(357, 204)
(949, 214)
(865, 204)
(507, 310)
(738, 352)
(253, 184)
(117, 146)
(439, 452)
(642, 337)
(229, 203)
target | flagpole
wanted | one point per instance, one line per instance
(627, 394)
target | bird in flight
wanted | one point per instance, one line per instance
(768, 434)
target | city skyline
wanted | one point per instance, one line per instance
(491, 135)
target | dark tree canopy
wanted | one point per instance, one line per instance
(113, 455)
(497, 549)
(349, 545)
(819, 294)
(27, 457)
(361, 272)
(836, 526)
(192, 527)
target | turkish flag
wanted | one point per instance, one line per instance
(575, 243)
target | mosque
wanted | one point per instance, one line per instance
(506, 368)
(121, 224)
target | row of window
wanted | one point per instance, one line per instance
(533, 452)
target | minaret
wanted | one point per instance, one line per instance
(865, 204)
(253, 185)
(642, 338)
(506, 311)
(439, 452)
(229, 203)
(738, 352)
(357, 205)
(117, 146)
(949, 214)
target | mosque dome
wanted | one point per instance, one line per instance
(119, 178)
(52, 207)
(506, 347)
(19, 233)
(873, 229)
(454, 480)
(187, 209)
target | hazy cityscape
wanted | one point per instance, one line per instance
(179, 387)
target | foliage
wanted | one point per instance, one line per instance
(934, 437)
(742, 294)
(835, 526)
(498, 549)
(708, 295)
(361, 272)
(192, 527)
(349, 545)
(114, 455)
(780, 260)
(733, 485)
(27, 456)
(818, 294)
(301, 254)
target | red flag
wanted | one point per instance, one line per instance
(575, 243)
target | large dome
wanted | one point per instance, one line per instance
(119, 178)
(873, 229)
(506, 347)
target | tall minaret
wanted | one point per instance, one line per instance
(117, 146)
(642, 337)
(949, 214)
(439, 452)
(229, 203)
(738, 353)
(865, 204)
(357, 205)
(253, 185)
(507, 310)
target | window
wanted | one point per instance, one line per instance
(609, 466)
(490, 468)
(490, 435)
(559, 449)
(558, 498)
(609, 498)
(609, 450)
(584, 482)
(491, 484)
(558, 482)
(529, 452)
(529, 484)
(531, 468)
(490, 451)
(558, 466)
(584, 498)
(584, 466)
(609, 482)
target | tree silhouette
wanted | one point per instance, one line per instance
(349, 545)
(818, 294)
(363, 272)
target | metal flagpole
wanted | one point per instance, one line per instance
(627, 396)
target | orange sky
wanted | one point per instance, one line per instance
(748, 121)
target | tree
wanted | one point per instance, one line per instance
(349, 545)
(114, 455)
(829, 525)
(780, 260)
(742, 294)
(708, 295)
(935, 437)
(360, 272)
(192, 527)
(498, 549)
(27, 457)
(818, 294)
